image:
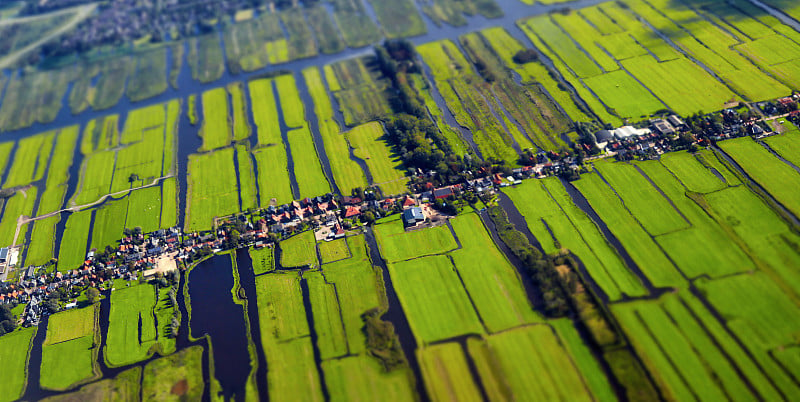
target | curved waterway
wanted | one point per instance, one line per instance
(215, 314)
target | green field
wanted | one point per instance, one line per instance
(558, 378)
(72, 250)
(285, 339)
(109, 223)
(761, 316)
(21, 204)
(14, 352)
(357, 27)
(30, 160)
(370, 144)
(273, 175)
(68, 363)
(687, 359)
(346, 173)
(398, 245)
(299, 251)
(149, 78)
(786, 145)
(42, 243)
(69, 325)
(247, 181)
(175, 377)
(263, 260)
(398, 18)
(212, 188)
(764, 236)
(144, 209)
(123, 387)
(637, 242)
(340, 294)
(216, 129)
(332, 251)
(133, 332)
(205, 58)
(446, 372)
(362, 378)
(425, 282)
(643, 200)
(775, 176)
(239, 108)
(688, 169)
(549, 209)
(493, 285)
(308, 172)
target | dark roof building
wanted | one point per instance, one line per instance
(603, 136)
(3, 254)
(412, 216)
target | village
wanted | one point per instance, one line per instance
(144, 256)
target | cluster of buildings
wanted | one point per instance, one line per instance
(653, 140)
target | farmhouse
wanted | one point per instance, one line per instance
(413, 216)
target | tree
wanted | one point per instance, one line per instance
(93, 295)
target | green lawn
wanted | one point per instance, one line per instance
(205, 58)
(433, 299)
(149, 78)
(14, 353)
(299, 250)
(175, 377)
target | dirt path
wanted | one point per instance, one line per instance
(22, 220)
